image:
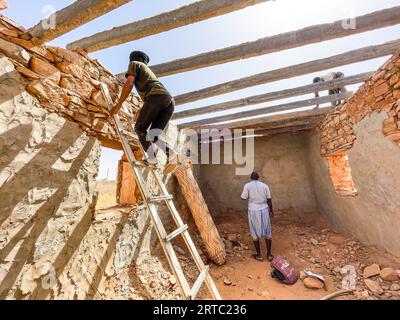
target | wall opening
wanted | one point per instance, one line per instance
(340, 173)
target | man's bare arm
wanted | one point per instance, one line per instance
(126, 90)
(271, 210)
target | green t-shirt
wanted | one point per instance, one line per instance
(146, 82)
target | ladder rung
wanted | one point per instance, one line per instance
(176, 232)
(160, 198)
(127, 114)
(130, 134)
(140, 163)
(197, 285)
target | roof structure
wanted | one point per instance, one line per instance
(281, 117)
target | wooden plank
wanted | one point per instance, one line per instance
(290, 128)
(301, 69)
(73, 16)
(266, 110)
(284, 41)
(280, 121)
(192, 13)
(262, 98)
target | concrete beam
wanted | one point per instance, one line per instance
(262, 98)
(264, 111)
(73, 16)
(301, 69)
(284, 41)
(192, 13)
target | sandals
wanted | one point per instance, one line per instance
(270, 257)
(258, 257)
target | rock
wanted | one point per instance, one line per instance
(83, 88)
(250, 276)
(228, 245)
(373, 286)
(395, 287)
(14, 52)
(313, 283)
(35, 46)
(3, 4)
(73, 70)
(172, 280)
(232, 237)
(389, 274)
(9, 32)
(302, 275)
(67, 55)
(227, 282)
(46, 91)
(337, 239)
(28, 73)
(314, 241)
(179, 250)
(372, 270)
(98, 98)
(45, 69)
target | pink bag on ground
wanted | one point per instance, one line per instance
(282, 270)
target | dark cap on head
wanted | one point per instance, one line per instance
(317, 79)
(139, 56)
(254, 176)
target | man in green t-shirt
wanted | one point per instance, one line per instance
(157, 109)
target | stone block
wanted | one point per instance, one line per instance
(45, 69)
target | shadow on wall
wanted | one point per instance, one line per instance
(11, 81)
(17, 189)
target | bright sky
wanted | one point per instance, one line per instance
(270, 18)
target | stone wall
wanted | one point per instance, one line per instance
(373, 215)
(52, 244)
(64, 82)
(379, 93)
(365, 130)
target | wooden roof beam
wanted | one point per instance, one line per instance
(282, 94)
(349, 57)
(73, 16)
(284, 41)
(264, 111)
(192, 13)
(309, 117)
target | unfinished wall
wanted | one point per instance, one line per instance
(367, 129)
(52, 245)
(281, 161)
(64, 81)
(374, 214)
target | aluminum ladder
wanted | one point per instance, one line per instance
(152, 202)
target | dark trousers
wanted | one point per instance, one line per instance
(152, 120)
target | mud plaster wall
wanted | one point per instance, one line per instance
(51, 244)
(374, 214)
(282, 163)
(367, 129)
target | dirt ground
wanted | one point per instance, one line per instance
(307, 241)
